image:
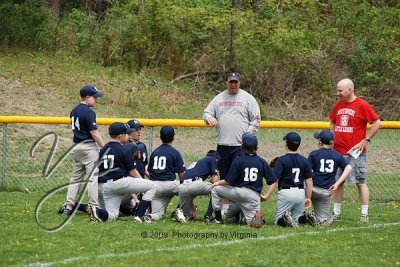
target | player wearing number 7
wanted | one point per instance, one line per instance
(325, 163)
(87, 141)
(295, 185)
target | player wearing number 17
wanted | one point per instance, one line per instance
(87, 141)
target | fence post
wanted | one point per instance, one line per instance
(150, 141)
(4, 156)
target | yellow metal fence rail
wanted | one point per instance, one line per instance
(21, 171)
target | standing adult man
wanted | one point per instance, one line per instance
(233, 112)
(87, 141)
(349, 118)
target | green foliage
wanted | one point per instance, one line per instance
(286, 50)
(25, 25)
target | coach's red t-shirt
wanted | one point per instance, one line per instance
(350, 121)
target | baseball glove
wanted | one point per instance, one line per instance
(257, 220)
(273, 162)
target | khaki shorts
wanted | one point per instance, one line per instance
(358, 173)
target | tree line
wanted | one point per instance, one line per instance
(287, 50)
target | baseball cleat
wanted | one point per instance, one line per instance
(64, 210)
(207, 219)
(363, 218)
(336, 217)
(289, 221)
(145, 218)
(92, 213)
(179, 216)
(310, 218)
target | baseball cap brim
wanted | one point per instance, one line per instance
(98, 94)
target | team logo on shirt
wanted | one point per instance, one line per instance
(344, 120)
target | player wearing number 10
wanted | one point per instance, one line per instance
(86, 152)
(165, 162)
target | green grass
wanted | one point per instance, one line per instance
(124, 243)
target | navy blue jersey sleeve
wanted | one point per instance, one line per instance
(270, 177)
(233, 174)
(213, 165)
(179, 164)
(343, 162)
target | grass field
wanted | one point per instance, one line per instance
(125, 243)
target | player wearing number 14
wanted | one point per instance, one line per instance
(86, 140)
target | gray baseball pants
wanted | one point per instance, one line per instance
(243, 199)
(290, 199)
(188, 190)
(164, 193)
(321, 200)
(119, 192)
(85, 156)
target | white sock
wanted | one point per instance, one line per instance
(225, 207)
(364, 209)
(336, 208)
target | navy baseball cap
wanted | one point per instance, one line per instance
(135, 124)
(292, 138)
(214, 154)
(249, 141)
(89, 90)
(325, 136)
(233, 76)
(167, 131)
(117, 128)
(132, 147)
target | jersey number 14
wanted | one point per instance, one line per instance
(75, 123)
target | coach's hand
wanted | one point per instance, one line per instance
(212, 122)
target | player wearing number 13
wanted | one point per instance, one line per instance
(325, 163)
(86, 152)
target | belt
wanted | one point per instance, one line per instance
(114, 179)
(292, 187)
(188, 181)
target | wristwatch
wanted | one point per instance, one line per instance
(368, 140)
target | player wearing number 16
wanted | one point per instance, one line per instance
(243, 183)
(87, 141)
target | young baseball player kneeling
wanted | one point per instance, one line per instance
(118, 178)
(295, 185)
(243, 183)
(165, 162)
(325, 163)
(193, 182)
